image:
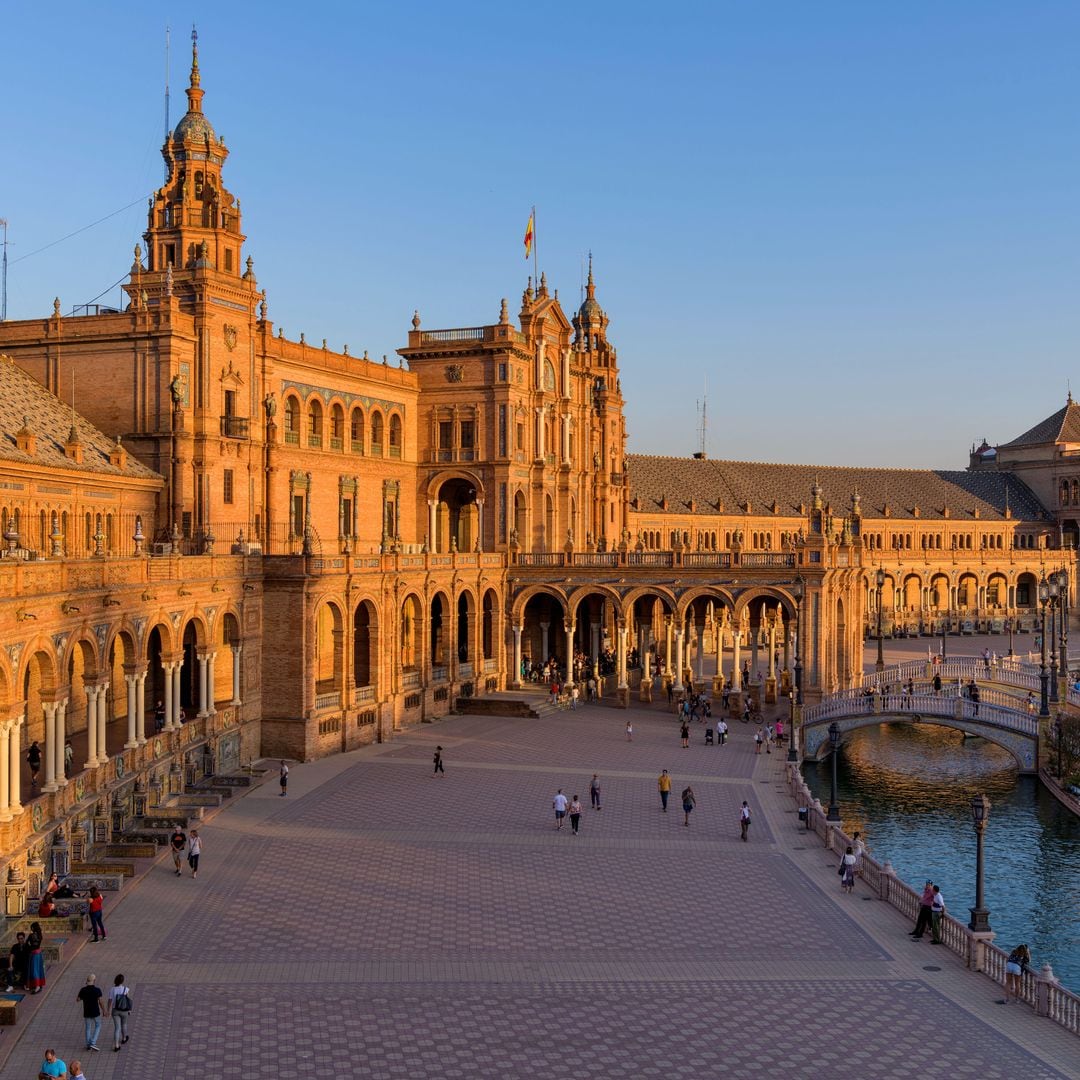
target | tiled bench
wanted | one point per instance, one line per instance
(130, 851)
(91, 868)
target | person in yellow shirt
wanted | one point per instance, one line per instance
(664, 786)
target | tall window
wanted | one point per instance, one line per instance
(227, 486)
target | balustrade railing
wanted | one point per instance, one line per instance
(465, 669)
(363, 694)
(1039, 990)
(410, 680)
(439, 673)
(329, 700)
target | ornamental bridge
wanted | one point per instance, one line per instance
(1006, 712)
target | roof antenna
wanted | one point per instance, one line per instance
(703, 422)
(167, 32)
(1068, 391)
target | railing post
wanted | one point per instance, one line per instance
(1044, 982)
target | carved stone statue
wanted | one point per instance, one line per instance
(270, 405)
(176, 389)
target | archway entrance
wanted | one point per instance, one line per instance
(457, 516)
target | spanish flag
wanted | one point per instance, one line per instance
(529, 237)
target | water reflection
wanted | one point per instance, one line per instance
(908, 788)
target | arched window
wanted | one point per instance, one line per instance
(377, 433)
(292, 421)
(337, 427)
(356, 431)
(315, 423)
(395, 435)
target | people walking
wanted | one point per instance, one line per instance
(35, 972)
(684, 734)
(53, 1066)
(33, 759)
(177, 843)
(283, 778)
(847, 870)
(937, 910)
(575, 814)
(1015, 966)
(926, 903)
(594, 791)
(629, 731)
(744, 820)
(689, 801)
(194, 851)
(438, 764)
(97, 925)
(759, 738)
(118, 1006)
(90, 999)
(559, 803)
(663, 784)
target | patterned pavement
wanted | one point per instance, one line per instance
(383, 923)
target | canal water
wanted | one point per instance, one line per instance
(908, 789)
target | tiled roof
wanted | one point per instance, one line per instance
(1063, 426)
(24, 400)
(736, 483)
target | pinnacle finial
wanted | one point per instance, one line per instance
(590, 268)
(194, 56)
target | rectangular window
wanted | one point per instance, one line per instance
(1023, 595)
(502, 373)
(446, 434)
(227, 486)
(468, 434)
(230, 403)
(502, 512)
(228, 260)
(346, 517)
(502, 431)
(521, 436)
(298, 515)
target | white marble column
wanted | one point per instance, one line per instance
(211, 704)
(569, 627)
(517, 656)
(167, 669)
(61, 738)
(5, 765)
(132, 719)
(237, 651)
(678, 658)
(594, 643)
(544, 643)
(102, 720)
(91, 726)
(621, 666)
(140, 710)
(178, 671)
(201, 660)
(736, 673)
(15, 764)
(49, 709)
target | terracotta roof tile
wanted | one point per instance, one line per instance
(50, 420)
(763, 485)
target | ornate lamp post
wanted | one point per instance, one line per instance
(880, 665)
(944, 630)
(1063, 651)
(980, 813)
(1055, 589)
(1009, 628)
(797, 592)
(1044, 678)
(834, 742)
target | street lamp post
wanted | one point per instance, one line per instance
(880, 665)
(944, 630)
(834, 742)
(980, 813)
(1044, 678)
(1055, 589)
(1009, 627)
(796, 591)
(1063, 651)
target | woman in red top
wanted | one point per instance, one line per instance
(47, 909)
(95, 914)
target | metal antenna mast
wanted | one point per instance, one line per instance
(3, 275)
(704, 424)
(166, 94)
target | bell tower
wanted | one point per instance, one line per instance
(590, 329)
(193, 220)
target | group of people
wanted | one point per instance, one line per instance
(768, 736)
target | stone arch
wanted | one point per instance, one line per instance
(377, 426)
(456, 495)
(366, 649)
(356, 430)
(394, 435)
(315, 421)
(292, 411)
(439, 613)
(39, 682)
(7, 684)
(540, 611)
(328, 665)
(911, 592)
(411, 639)
(337, 424)
(465, 620)
(491, 609)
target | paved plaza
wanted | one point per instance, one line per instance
(381, 922)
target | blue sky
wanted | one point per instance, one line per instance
(858, 223)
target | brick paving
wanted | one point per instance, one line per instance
(383, 923)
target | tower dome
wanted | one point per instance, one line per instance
(193, 125)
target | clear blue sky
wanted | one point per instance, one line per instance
(859, 222)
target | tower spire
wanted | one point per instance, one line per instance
(194, 90)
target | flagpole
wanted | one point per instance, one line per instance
(536, 260)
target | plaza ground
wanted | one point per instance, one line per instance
(383, 923)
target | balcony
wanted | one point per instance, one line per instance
(292, 438)
(357, 446)
(315, 441)
(336, 444)
(234, 427)
(330, 700)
